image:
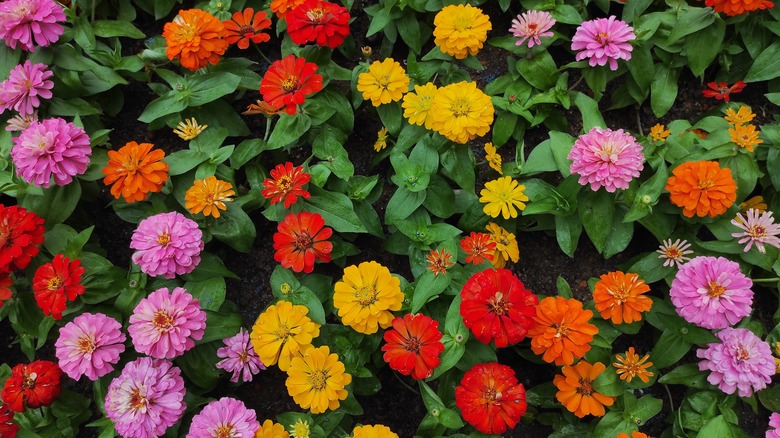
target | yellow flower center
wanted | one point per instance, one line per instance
(462, 23)
(620, 294)
(185, 32)
(498, 304)
(585, 388)
(742, 354)
(137, 400)
(491, 396)
(28, 381)
(318, 380)
(460, 107)
(315, 15)
(162, 320)
(602, 38)
(560, 330)
(673, 253)
(54, 283)
(366, 295)
(283, 332)
(290, 84)
(705, 184)
(164, 239)
(225, 431)
(86, 344)
(714, 290)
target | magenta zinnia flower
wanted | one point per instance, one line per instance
(51, 148)
(602, 40)
(25, 87)
(226, 417)
(607, 158)
(759, 228)
(711, 292)
(146, 399)
(21, 21)
(532, 25)
(167, 244)
(239, 357)
(89, 346)
(742, 362)
(774, 421)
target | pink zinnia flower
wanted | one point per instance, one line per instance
(711, 292)
(742, 362)
(602, 40)
(51, 148)
(146, 399)
(774, 421)
(607, 158)
(226, 417)
(166, 324)
(20, 123)
(532, 25)
(239, 357)
(167, 244)
(758, 228)
(25, 87)
(90, 345)
(21, 21)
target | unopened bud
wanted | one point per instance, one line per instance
(647, 199)
(366, 51)
(286, 288)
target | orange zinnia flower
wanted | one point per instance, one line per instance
(562, 331)
(702, 188)
(439, 262)
(286, 183)
(413, 345)
(575, 389)
(247, 26)
(619, 296)
(135, 170)
(282, 7)
(478, 247)
(634, 434)
(738, 7)
(745, 136)
(195, 37)
(287, 82)
(208, 196)
(633, 366)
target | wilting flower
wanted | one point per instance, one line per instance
(281, 332)
(282, 7)
(490, 398)
(239, 357)
(506, 245)
(759, 228)
(439, 262)
(702, 188)
(7, 426)
(57, 282)
(366, 297)
(195, 38)
(502, 195)
(21, 232)
(659, 132)
(417, 105)
(19, 123)
(756, 202)
(208, 196)
(620, 297)
(632, 365)
(603, 40)
(269, 429)
(375, 431)
(226, 417)
(6, 281)
(246, 26)
(27, 84)
(741, 362)
(316, 380)
(575, 389)
(135, 170)
(288, 81)
(721, 90)
(413, 345)
(493, 158)
(532, 25)
(262, 107)
(607, 158)
(381, 139)
(28, 23)
(286, 183)
(674, 253)
(32, 385)
(90, 346)
(732, 8)
(740, 117)
(745, 136)
(51, 148)
(301, 239)
(478, 247)
(774, 421)
(384, 82)
(320, 22)
(460, 30)
(711, 292)
(461, 112)
(562, 331)
(189, 129)
(167, 244)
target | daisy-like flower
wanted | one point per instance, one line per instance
(262, 107)
(603, 40)
(167, 323)
(300, 429)
(478, 247)
(247, 26)
(167, 244)
(461, 112)
(439, 262)
(282, 7)
(384, 82)
(745, 136)
(575, 389)
(375, 431)
(90, 346)
(702, 188)
(674, 253)
(135, 170)
(281, 332)
(189, 129)
(722, 90)
(741, 362)
(562, 331)
(490, 398)
(413, 345)
(774, 421)
(208, 196)
(7, 426)
(417, 105)
(606, 158)
(620, 297)
(506, 245)
(269, 429)
(27, 84)
(21, 232)
(460, 30)
(315, 21)
(239, 357)
(532, 25)
(286, 183)
(756, 202)
(301, 239)
(288, 81)
(381, 139)
(631, 365)
(57, 282)
(224, 418)
(634, 434)
(19, 123)
(502, 195)
(732, 8)
(51, 148)
(316, 380)
(28, 23)
(659, 132)
(742, 116)
(757, 228)
(196, 38)
(366, 297)
(32, 385)
(493, 158)
(711, 292)
(146, 399)
(6, 281)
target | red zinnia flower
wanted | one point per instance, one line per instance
(32, 385)
(247, 26)
(20, 232)
(302, 238)
(497, 306)
(721, 90)
(55, 283)
(479, 247)
(413, 345)
(6, 281)
(8, 428)
(287, 83)
(490, 398)
(286, 182)
(323, 23)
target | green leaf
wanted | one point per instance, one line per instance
(219, 326)
(439, 198)
(663, 90)
(540, 71)
(561, 144)
(641, 67)
(327, 145)
(235, 228)
(210, 292)
(766, 66)
(645, 408)
(116, 28)
(503, 127)
(288, 130)
(703, 46)
(458, 163)
(56, 204)
(183, 161)
(567, 233)
(669, 349)
(597, 214)
(716, 427)
(428, 287)
(199, 365)
(687, 374)
(692, 20)
(402, 204)
(210, 87)
(336, 209)
(391, 116)
(164, 105)
(770, 398)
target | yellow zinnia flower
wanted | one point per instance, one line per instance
(461, 112)
(281, 332)
(740, 117)
(756, 202)
(659, 132)
(385, 82)
(316, 380)
(269, 429)
(502, 196)
(460, 30)
(417, 105)
(745, 136)
(506, 245)
(300, 429)
(381, 139)
(493, 158)
(189, 129)
(366, 296)
(376, 431)
(209, 196)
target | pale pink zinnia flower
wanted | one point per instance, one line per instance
(239, 357)
(20, 123)
(166, 324)
(759, 228)
(742, 362)
(25, 87)
(51, 148)
(167, 244)
(674, 253)
(146, 399)
(532, 25)
(607, 158)
(226, 417)
(603, 40)
(711, 292)
(90, 346)
(21, 21)
(774, 421)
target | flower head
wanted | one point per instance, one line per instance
(135, 170)
(300, 429)
(607, 158)
(189, 129)
(282, 7)
(366, 297)
(413, 345)
(732, 8)
(246, 26)
(239, 357)
(506, 245)
(51, 148)
(478, 247)
(288, 81)
(269, 429)
(57, 282)
(208, 196)
(375, 431)
(417, 105)
(27, 84)
(90, 346)
(562, 331)
(634, 434)
(756, 202)
(302, 238)
(286, 183)
(741, 362)
(674, 253)
(32, 385)
(722, 90)
(196, 38)
(575, 389)
(632, 365)
(7, 426)
(532, 25)
(262, 107)
(439, 262)
(167, 244)
(659, 132)
(381, 139)
(493, 158)
(316, 380)
(28, 23)
(460, 30)
(490, 398)
(745, 136)
(742, 116)
(461, 112)
(774, 421)
(21, 232)
(384, 82)
(502, 195)
(281, 332)
(320, 22)
(620, 297)
(759, 228)
(702, 188)
(603, 40)
(224, 418)
(19, 123)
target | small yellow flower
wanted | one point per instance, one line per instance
(506, 245)
(366, 297)
(632, 366)
(316, 380)
(659, 132)
(281, 332)
(300, 429)
(375, 431)
(208, 196)
(460, 30)
(756, 202)
(740, 117)
(269, 429)
(417, 105)
(386, 81)
(745, 136)
(502, 196)
(493, 158)
(381, 139)
(461, 112)
(188, 129)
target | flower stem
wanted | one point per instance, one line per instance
(766, 280)
(262, 54)
(267, 129)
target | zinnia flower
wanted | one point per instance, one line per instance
(281, 332)
(439, 261)
(21, 232)
(302, 238)
(166, 324)
(262, 107)
(774, 421)
(195, 38)
(741, 362)
(490, 398)
(25, 87)
(320, 22)
(659, 132)
(478, 247)
(6, 281)
(413, 345)
(224, 418)
(575, 389)
(189, 129)
(246, 26)
(19, 123)
(7, 426)
(167, 244)
(502, 195)
(740, 117)
(721, 90)
(286, 183)
(460, 30)
(417, 105)
(632, 365)
(759, 228)
(562, 331)
(634, 434)
(51, 148)
(756, 202)
(282, 7)
(90, 346)
(674, 253)
(366, 296)
(32, 385)
(135, 170)
(57, 282)
(381, 139)
(375, 431)
(493, 158)
(607, 158)
(316, 380)
(532, 25)
(300, 429)
(506, 245)
(384, 82)
(239, 357)
(461, 112)
(732, 8)
(146, 399)
(620, 297)
(497, 307)
(711, 292)
(603, 40)
(702, 188)
(208, 196)
(22, 21)
(745, 136)
(269, 429)
(287, 82)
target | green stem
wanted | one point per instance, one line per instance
(766, 280)
(262, 54)
(267, 129)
